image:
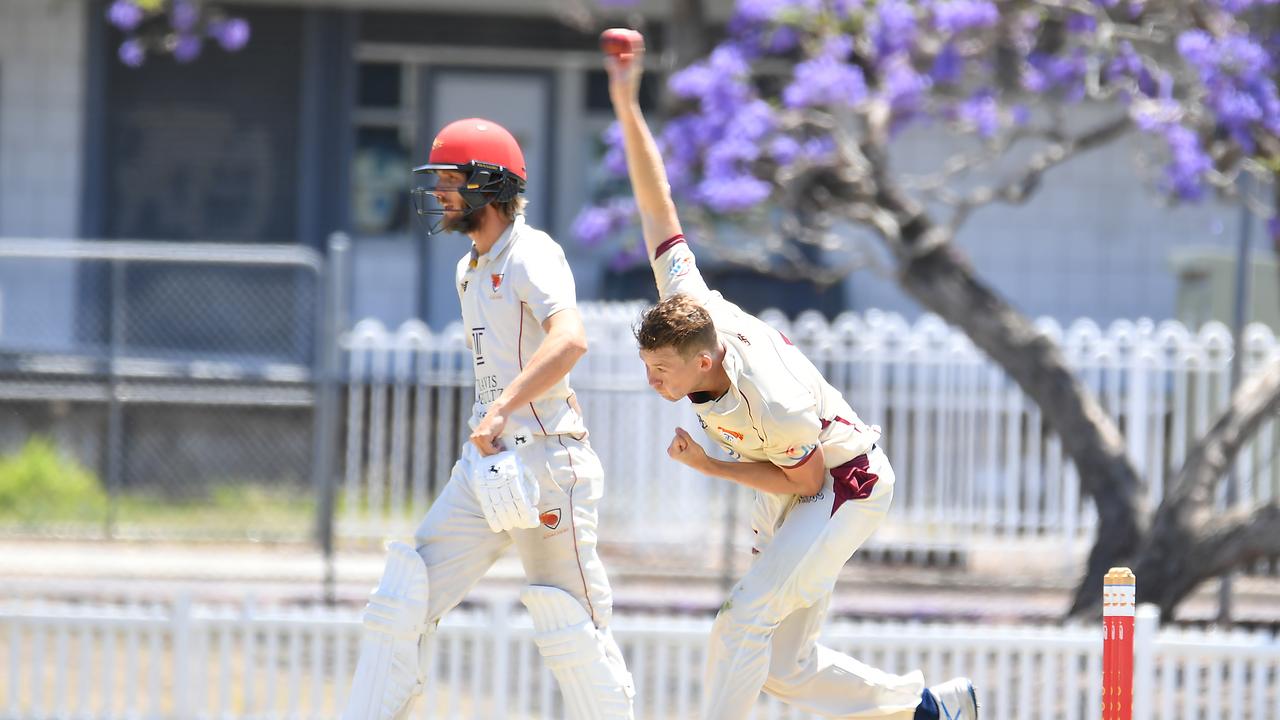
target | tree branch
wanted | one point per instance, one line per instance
(1020, 189)
(1237, 538)
(1256, 400)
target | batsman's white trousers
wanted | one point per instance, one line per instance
(765, 636)
(458, 547)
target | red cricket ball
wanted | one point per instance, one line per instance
(616, 41)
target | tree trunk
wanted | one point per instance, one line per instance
(935, 276)
(1185, 557)
(1187, 543)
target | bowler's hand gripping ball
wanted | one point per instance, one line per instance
(619, 41)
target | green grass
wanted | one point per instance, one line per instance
(231, 510)
(45, 492)
(38, 484)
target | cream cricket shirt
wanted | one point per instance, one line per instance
(506, 295)
(778, 407)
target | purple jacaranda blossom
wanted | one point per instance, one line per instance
(845, 8)
(981, 111)
(892, 27)
(184, 15)
(1063, 74)
(1081, 23)
(1188, 163)
(592, 226)
(948, 65)
(1152, 115)
(628, 256)
(957, 16)
(732, 194)
(615, 158)
(718, 82)
(902, 86)
(125, 15)
(725, 158)
(754, 120)
(824, 80)
(818, 150)
(784, 149)
(1126, 63)
(232, 34)
(1236, 73)
(758, 12)
(782, 40)
(597, 223)
(187, 47)
(132, 53)
(837, 47)
(1235, 7)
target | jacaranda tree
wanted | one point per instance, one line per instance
(173, 27)
(786, 127)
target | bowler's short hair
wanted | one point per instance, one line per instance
(677, 322)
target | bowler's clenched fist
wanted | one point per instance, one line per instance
(684, 449)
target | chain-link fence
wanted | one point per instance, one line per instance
(161, 389)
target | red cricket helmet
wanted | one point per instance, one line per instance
(485, 153)
(475, 141)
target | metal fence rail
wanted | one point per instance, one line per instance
(176, 376)
(182, 661)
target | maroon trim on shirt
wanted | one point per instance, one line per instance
(573, 530)
(837, 419)
(667, 244)
(785, 339)
(852, 481)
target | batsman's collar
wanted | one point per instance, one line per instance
(504, 240)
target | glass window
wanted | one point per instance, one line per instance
(379, 85)
(380, 178)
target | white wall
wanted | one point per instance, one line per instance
(42, 59)
(1095, 241)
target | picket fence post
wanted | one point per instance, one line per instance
(1145, 628)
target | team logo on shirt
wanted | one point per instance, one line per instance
(465, 283)
(729, 435)
(551, 518)
(796, 452)
(681, 264)
(730, 451)
(495, 281)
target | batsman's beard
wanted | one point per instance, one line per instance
(461, 221)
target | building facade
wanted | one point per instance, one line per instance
(313, 126)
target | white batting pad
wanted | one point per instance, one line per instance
(586, 662)
(387, 674)
(507, 491)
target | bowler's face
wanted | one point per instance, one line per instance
(671, 375)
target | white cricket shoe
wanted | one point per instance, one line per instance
(956, 699)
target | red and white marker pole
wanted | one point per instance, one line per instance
(1119, 599)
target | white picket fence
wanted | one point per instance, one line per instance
(974, 458)
(185, 662)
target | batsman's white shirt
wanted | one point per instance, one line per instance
(506, 295)
(777, 410)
